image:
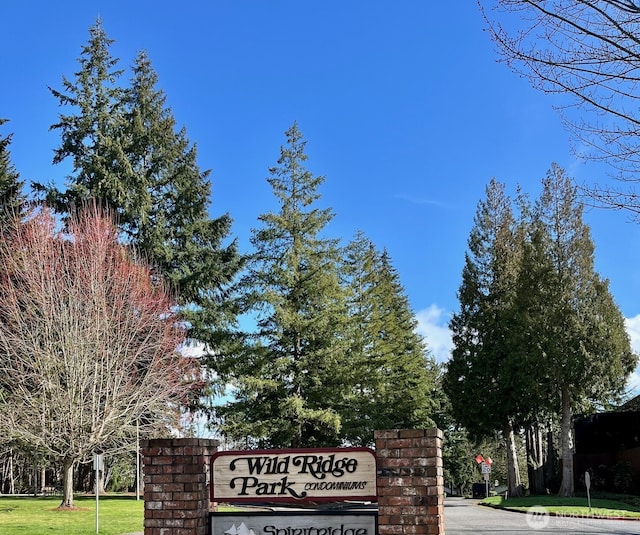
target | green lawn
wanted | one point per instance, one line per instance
(605, 506)
(38, 516)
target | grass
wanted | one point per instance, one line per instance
(615, 506)
(38, 516)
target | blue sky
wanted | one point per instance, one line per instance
(404, 106)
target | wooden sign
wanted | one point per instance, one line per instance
(294, 523)
(294, 475)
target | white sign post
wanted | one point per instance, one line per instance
(587, 483)
(485, 467)
(486, 472)
(97, 466)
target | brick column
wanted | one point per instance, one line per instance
(176, 491)
(410, 482)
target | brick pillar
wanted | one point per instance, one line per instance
(410, 482)
(176, 491)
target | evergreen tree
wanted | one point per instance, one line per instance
(173, 227)
(458, 454)
(541, 415)
(410, 370)
(391, 374)
(288, 381)
(128, 155)
(12, 209)
(487, 375)
(92, 136)
(364, 375)
(578, 331)
(12, 198)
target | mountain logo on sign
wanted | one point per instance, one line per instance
(242, 530)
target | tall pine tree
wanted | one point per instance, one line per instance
(578, 331)
(91, 134)
(288, 380)
(391, 375)
(128, 154)
(12, 197)
(173, 228)
(487, 375)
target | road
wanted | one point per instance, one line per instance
(466, 517)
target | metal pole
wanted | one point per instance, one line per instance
(137, 460)
(97, 467)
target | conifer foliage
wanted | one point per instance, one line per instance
(12, 197)
(486, 377)
(326, 360)
(538, 333)
(289, 376)
(129, 156)
(334, 354)
(585, 53)
(391, 374)
(91, 133)
(172, 227)
(580, 337)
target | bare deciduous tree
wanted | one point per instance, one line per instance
(88, 341)
(588, 51)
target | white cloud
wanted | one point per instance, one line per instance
(432, 325)
(633, 329)
(633, 383)
(419, 200)
(192, 348)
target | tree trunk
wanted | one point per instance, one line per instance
(550, 475)
(513, 472)
(67, 483)
(100, 484)
(12, 488)
(3, 481)
(12, 483)
(43, 478)
(535, 459)
(34, 471)
(566, 437)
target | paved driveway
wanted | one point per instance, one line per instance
(466, 517)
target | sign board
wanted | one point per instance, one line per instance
(98, 462)
(294, 523)
(486, 468)
(294, 475)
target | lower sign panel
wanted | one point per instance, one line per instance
(295, 523)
